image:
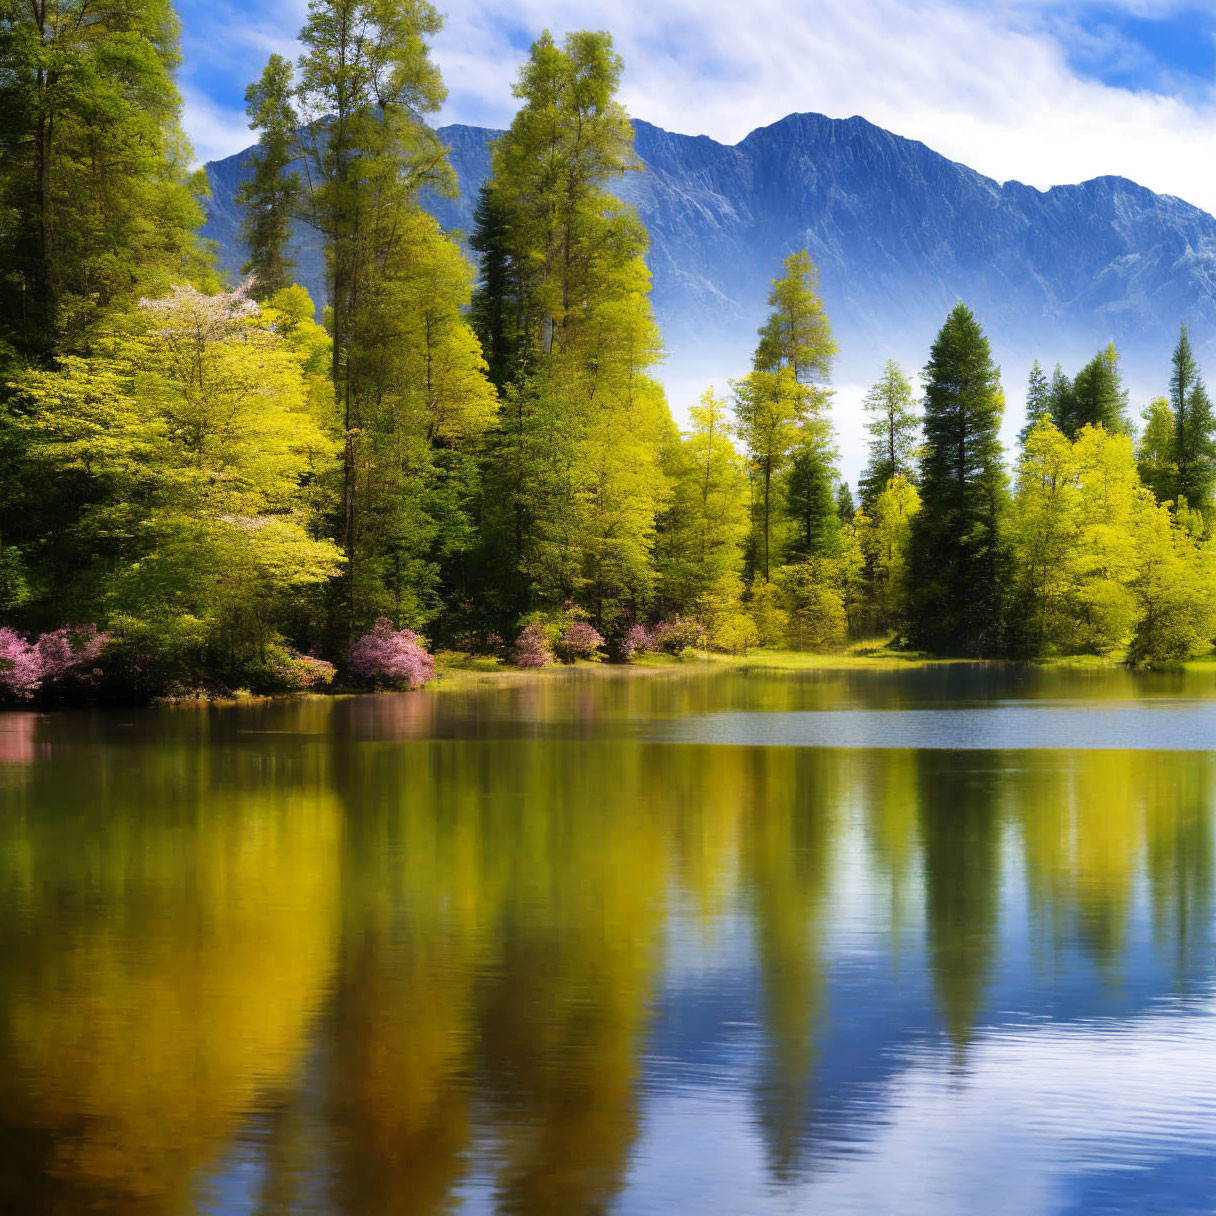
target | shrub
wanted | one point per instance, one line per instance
(637, 640)
(733, 633)
(390, 658)
(675, 637)
(25, 667)
(532, 647)
(579, 641)
(772, 623)
(287, 670)
(19, 673)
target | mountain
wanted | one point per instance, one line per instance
(899, 233)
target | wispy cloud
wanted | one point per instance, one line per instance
(999, 85)
(990, 85)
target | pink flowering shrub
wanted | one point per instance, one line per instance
(532, 647)
(390, 657)
(674, 637)
(637, 640)
(579, 641)
(26, 666)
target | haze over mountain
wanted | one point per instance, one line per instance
(899, 233)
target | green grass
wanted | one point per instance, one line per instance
(457, 669)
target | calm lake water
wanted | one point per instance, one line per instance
(920, 942)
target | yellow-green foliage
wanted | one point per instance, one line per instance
(1098, 565)
(812, 593)
(706, 521)
(728, 627)
(883, 532)
(189, 439)
(770, 618)
(576, 481)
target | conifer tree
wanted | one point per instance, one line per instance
(495, 306)
(956, 562)
(269, 195)
(1038, 400)
(892, 426)
(1194, 426)
(846, 509)
(411, 400)
(1098, 398)
(811, 501)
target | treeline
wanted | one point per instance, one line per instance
(204, 486)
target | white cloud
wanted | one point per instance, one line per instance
(989, 86)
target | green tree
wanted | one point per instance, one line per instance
(1098, 398)
(797, 334)
(494, 312)
(1194, 443)
(846, 508)
(1044, 524)
(884, 532)
(956, 559)
(893, 425)
(1155, 452)
(574, 476)
(1113, 507)
(811, 500)
(1174, 590)
(186, 444)
(97, 204)
(270, 194)
(365, 83)
(1038, 400)
(415, 476)
(783, 398)
(701, 533)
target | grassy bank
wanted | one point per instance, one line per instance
(458, 670)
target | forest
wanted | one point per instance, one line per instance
(210, 487)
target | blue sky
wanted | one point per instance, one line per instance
(1038, 90)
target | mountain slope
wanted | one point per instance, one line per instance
(898, 232)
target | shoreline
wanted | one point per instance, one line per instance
(457, 671)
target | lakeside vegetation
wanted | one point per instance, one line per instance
(203, 486)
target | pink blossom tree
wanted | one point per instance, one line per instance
(532, 648)
(389, 657)
(25, 667)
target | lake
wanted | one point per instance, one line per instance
(693, 941)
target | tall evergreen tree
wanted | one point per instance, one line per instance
(893, 425)
(811, 501)
(1038, 400)
(1194, 441)
(269, 195)
(956, 558)
(495, 307)
(1098, 398)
